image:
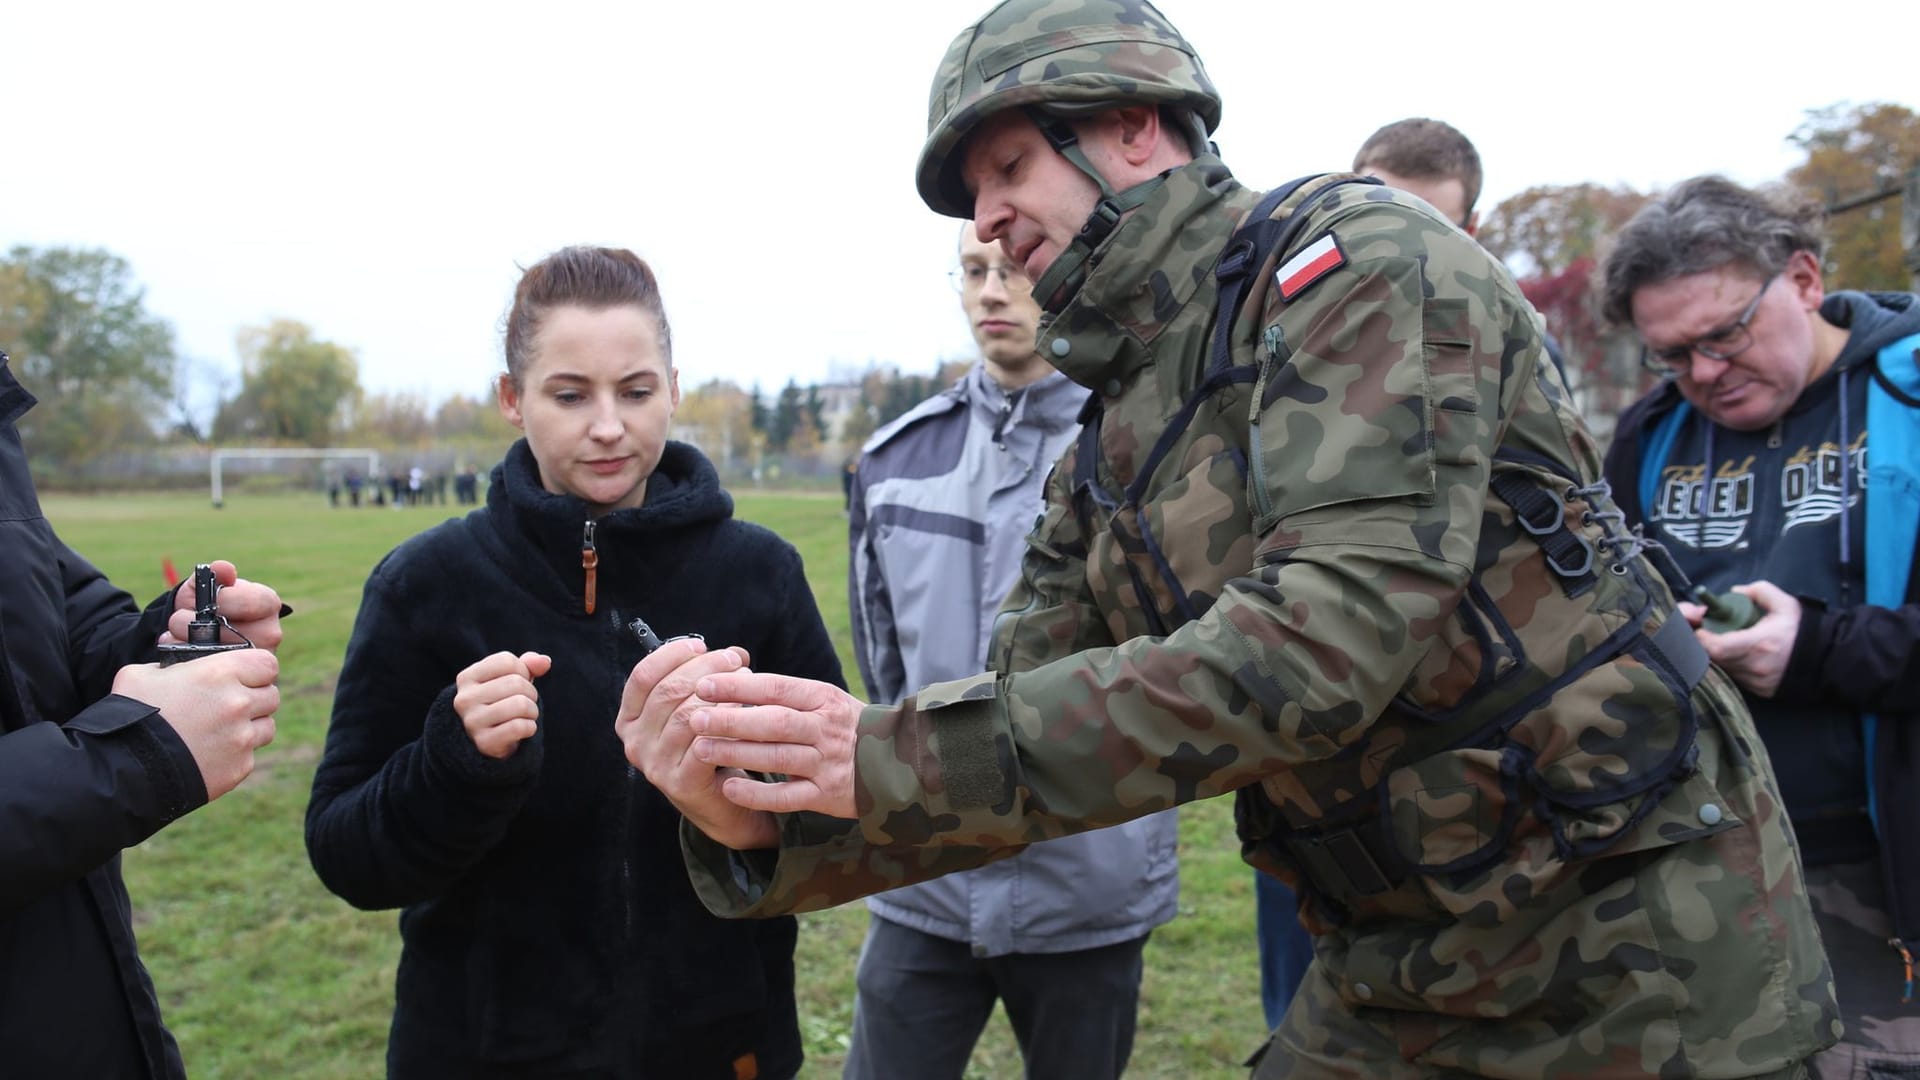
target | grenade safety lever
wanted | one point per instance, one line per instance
(203, 632)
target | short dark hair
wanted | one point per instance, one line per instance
(1703, 224)
(1419, 149)
(595, 278)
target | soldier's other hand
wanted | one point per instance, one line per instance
(802, 729)
(497, 702)
(222, 706)
(1757, 657)
(253, 609)
(653, 728)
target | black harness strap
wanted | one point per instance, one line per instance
(1543, 514)
(1248, 250)
(1252, 243)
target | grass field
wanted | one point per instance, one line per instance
(263, 973)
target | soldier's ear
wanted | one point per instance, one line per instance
(1139, 131)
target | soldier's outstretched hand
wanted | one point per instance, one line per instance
(765, 723)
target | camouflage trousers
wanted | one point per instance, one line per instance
(1882, 1037)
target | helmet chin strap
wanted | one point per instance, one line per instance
(1069, 269)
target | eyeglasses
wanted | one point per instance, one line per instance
(972, 277)
(1723, 344)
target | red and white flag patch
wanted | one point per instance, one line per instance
(1315, 261)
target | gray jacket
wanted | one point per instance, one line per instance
(941, 506)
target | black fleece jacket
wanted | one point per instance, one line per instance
(548, 924)
(84, 773)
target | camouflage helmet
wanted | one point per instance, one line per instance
(1068, 58)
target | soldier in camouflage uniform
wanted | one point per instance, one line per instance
(1354, 563)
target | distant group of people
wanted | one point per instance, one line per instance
(415, 487)
(1281, 495)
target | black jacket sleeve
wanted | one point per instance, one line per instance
(74, 795)
(77, 790)
(105, 632)
(403, 803)
(1865, 657)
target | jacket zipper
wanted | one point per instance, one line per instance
(1006, 413)
(589, 560)
(1274, 340)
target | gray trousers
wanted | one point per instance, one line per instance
(1882, 1039)
(923, 1001)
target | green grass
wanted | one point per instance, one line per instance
(262, 972)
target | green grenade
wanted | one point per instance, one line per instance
(1727, 611)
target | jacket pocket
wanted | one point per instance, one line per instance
(1447, 350)
(1455, 810)
(1172, 556)
(1608, 766)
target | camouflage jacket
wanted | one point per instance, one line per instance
(1519, 803)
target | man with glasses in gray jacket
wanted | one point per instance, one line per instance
(940, 509)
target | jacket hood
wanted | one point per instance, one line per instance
(1872, 320)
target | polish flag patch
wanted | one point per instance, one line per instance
(1317, 260)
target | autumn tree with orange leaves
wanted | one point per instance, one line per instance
(1855, 151)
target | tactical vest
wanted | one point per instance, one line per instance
(1475, 750)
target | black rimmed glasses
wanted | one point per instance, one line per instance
(1723, 344)
(972, 277)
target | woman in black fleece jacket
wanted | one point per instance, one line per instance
(548, 926)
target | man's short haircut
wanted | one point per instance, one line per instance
(1423, 149)
(1703, 224)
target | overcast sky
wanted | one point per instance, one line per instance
(379, 171)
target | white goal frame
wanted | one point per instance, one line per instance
(371, 457)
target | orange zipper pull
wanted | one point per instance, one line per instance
(589, 559)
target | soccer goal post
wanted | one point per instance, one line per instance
(371, 457)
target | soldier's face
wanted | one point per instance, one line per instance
(595, 402)
(1001, 311)
(1757, 385)
(1026, 197)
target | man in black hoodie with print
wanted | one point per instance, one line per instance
(1750, 464)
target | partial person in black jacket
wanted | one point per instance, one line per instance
(1779, 458)
(100, 748)
(548, 926)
